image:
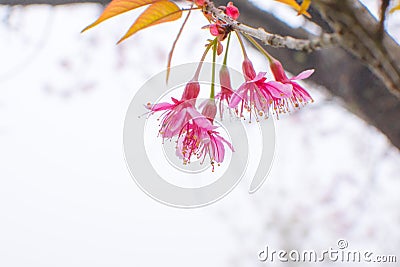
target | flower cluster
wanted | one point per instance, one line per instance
(261, 97)
(194, 128)
(196, 133)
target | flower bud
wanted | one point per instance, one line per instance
(278, 71)
(232, 11)
(248, 70)
(225, 80)
(191, 91)
(209, 109)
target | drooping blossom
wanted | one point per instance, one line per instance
(250, 94)
(226, 89)
(300, 95)
(259, 96)
(179, 112)
(214, 145)
(277, 96)
(200, 139)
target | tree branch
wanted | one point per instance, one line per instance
(361, 35)
(271, 39)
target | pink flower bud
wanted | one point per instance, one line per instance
(225, 80)
(232, 11)
(214, 30)
(226, 89)
(209, 109)
(278, 71)
(191, 91)
(248, 70)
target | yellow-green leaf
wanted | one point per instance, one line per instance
(301, 9)
(291, 3)
(304, 6)
(159, 12)
(117, 7)
(395, 8)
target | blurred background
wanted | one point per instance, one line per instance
(66, 196)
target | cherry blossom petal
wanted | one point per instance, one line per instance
(259, 77)
(303, 75)
(279, 90)
(160, 106)
(237, 96)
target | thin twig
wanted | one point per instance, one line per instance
(171, 52)
(274, 40)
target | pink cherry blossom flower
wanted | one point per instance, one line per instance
(251, 98)
(277, 95)
(260, 96)
(249, 93)
(300, 95)
(179, 112)
(200, 139)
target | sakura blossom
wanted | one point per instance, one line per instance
(200, 139)
(179, 112)
(300, 95)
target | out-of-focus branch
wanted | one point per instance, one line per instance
(361, 35)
